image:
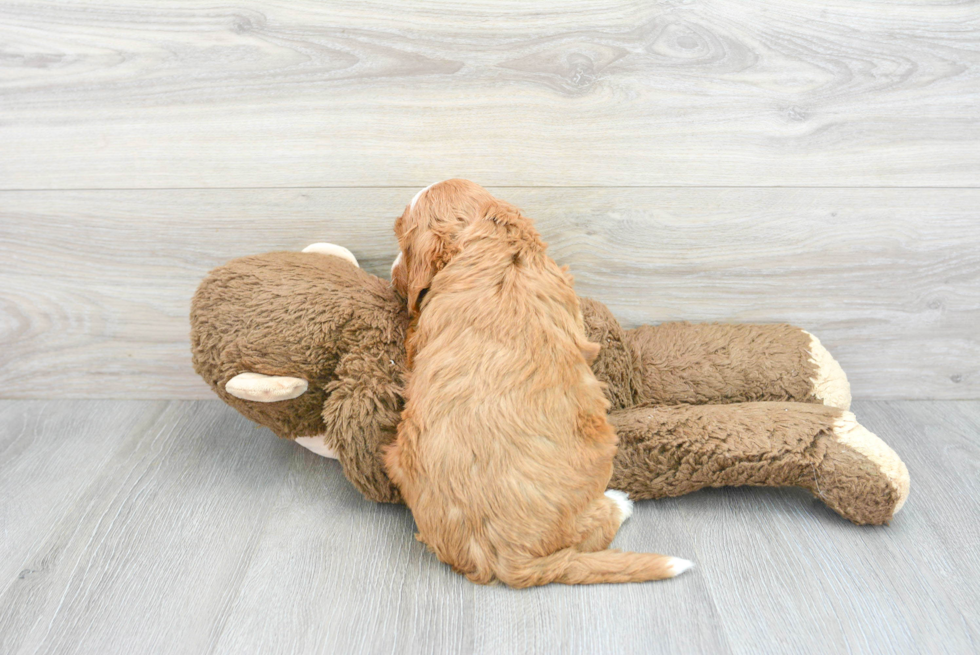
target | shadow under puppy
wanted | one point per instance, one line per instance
(503, 451)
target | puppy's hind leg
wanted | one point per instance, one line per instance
(589, 561)
(599, 523)
(623, 502)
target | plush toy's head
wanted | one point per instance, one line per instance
(270, 332)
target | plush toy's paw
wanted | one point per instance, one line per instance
(858, 437)
(332, 249)
(316, 445)
(860, 476)
(623, 502)
(830, 384)
(265, 388)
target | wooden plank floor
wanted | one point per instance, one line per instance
(178, 527)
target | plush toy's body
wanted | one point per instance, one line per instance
(312, 347)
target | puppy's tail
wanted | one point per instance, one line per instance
(570, 566)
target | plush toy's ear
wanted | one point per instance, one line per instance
(265, 388)
(332, 249)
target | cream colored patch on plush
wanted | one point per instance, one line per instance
(316, 445)
(332, 249)
(854, 435)
(830, 383)
(265, 388)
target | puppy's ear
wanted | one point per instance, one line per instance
(589, 350)
(518, 229)
(427, 255)
(501, 213)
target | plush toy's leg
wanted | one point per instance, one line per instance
(721, 363)
(674, 450)
(699, 364)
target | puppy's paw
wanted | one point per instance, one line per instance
(332, 249)
(623, 502)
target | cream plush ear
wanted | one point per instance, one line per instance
(265, 388)
(332, 249)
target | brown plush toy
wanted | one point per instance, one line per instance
(312, 347)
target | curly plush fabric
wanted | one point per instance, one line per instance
(694, 406)
(302, 315)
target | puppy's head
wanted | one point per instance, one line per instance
(427, 233)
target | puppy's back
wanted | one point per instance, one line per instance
(504, 450)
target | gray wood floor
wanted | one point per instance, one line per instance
(178, 527)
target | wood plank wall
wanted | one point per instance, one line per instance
(817, 163)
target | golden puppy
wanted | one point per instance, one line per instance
(503, 451)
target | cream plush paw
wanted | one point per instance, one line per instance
(855, 473)
(854, 435)
(623, 502)
(830, 384)
(332, 249)
(316, 445)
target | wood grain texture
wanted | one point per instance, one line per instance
(335, 573)
(822, 577)
(120, 94)
(96, 285)
(130, 568)
(49, 453)
(181, 528)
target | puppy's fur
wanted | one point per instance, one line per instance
(503, 451)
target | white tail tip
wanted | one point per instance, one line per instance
(678, 566)
(332, 249)
(622, 501)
